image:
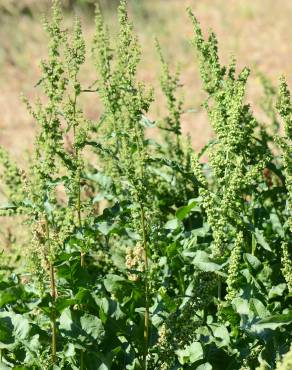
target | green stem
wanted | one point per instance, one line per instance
(219, 289)
(146, 317)
(253, 246)
(53, 314)
(53, 301)
(82, 360)
(253, 239)
(82, 254)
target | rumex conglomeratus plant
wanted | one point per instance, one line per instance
(140, 256)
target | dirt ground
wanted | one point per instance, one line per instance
(257, 32)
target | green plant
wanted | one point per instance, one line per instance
(141, 257)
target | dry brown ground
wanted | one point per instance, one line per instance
(257, 32)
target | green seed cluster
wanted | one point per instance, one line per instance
(177, 332)
(51, 187)
(236, 161)
(287, 266)
(12, 179)
(234, 267)
(284, 106)
(169, 85)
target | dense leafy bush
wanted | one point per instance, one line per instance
(141, 256)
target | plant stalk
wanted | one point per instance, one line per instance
(219, 289)
(53, 313)
(146, 317)
(253, 238)
(82, 360)
(53, 301)
(82, 254)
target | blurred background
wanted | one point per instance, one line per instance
(257, 32)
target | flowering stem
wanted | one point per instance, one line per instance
(146, 317)
(53, 300)
(53, 313)
(82, 254)
(253, 239)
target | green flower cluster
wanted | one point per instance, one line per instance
(235, 158)
(234, 266)
(169, 85)
(12, 179)
(284, 106)
(287, 265)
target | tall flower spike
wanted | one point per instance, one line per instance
(211, 71)
(284, 106)
(169, 85)
(102, 53)
(11, 177)
(233, 269)
(235, 153)
(75, 53)
(287, 266)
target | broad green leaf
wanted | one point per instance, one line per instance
(277, 291)
(21, 326)
(63, 303)
(221, 334)
(241, 306)
(34, 343)
(253, 261)
(168, 301)
(80, 326)
(10, 295)
(92, 325)
(172, 224)
(113, 282)
(203, 262)
(105, 228)
(206, 366)
(66, 321)
(274, 321)
(196, 352)
(261, 240)
(190, 354)
(277, 225)
(103, 367)
(5, 367)
(69, 350)
(258, 308)
(6, 330)
(184, 211)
